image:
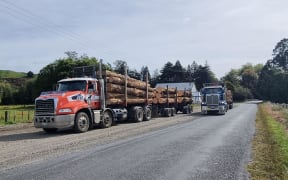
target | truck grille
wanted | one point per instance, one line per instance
(212, 99)
(44, 107)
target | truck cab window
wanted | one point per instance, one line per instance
(90, 87)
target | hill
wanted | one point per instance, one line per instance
(11, 74)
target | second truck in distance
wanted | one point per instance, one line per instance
(215, 98)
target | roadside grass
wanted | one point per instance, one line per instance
(15, 114)
(270, 144)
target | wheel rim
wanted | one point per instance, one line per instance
(148, 113)
(107, 118)
(139, 115)
(83, 122)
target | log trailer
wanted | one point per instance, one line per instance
(83, 102)
(214, 98)
(229, 98)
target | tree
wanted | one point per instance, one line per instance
(280, 55)
(59, 69)
(144, 72)
(178, 72)
(240, 94)
(249, 78)
(232, 77)
(72, 55)
(155, 78)
(167, 74)
(134, 74)
(6, 93)
(120, 66)
(204, 75)
(273, 80)
(30, 74)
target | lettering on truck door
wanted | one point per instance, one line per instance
(94, 95)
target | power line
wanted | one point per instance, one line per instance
(41, 23)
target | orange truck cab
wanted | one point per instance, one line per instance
(75, 104)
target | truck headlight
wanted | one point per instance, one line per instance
(222, 103)
(65, 110)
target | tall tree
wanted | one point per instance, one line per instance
(273, 80)
(179, 72)
(280, 55)
(167, 73)
(145, 73)
(204, 75)
(249, 76)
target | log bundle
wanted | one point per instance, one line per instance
(138, 92)
(171, 95)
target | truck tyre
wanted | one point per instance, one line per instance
(138, 114)
(107, 120)
(82, 122)
(50, 130)
(167, 112)
(147, 114)
(173, 111)
(185, 110)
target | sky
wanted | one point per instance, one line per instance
(224, 33)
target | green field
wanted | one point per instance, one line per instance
(11, 74)
(16, 114)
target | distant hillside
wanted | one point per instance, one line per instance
(11, 74)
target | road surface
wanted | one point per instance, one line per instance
(203, 147)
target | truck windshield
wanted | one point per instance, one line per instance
(72, 86)
(212, 91)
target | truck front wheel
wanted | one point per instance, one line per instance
(82, 122)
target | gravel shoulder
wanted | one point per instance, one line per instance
(24, 144)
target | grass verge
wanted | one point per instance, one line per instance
(270, 144)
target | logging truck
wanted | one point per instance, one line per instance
(102, 99)
(214, 98)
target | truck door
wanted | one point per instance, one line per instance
(94, 94)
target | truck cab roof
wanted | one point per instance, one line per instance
(78, 79)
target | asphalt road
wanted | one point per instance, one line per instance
(207, 147)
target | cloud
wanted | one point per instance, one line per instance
(225, 33)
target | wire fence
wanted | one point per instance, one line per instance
(285, 106)
(16, 116)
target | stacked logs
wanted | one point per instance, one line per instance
(138, 92)
(172, 95)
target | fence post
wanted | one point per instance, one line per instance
(6, 117)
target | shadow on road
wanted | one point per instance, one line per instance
(35, 135)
